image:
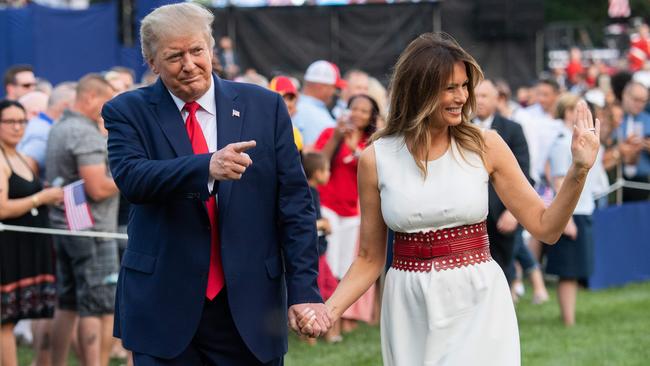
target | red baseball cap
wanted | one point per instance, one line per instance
(283, 85)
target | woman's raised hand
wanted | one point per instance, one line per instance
(586, 137)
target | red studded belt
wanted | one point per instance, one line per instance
(442, 249)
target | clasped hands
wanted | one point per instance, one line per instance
(312, 320)
(231, 162)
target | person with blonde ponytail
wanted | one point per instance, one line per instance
(426, 176)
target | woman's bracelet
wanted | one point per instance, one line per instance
(35, 201)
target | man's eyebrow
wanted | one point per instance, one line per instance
(172, 53)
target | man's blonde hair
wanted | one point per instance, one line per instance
(174, 20)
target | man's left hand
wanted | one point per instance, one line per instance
(311, 319)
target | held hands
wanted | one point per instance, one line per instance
(586, 138)
(231, 162)
(312, 320)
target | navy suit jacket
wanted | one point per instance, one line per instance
(266, 221)
(513, 135)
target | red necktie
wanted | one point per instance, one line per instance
(199, 146)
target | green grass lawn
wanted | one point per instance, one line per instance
(613, 328)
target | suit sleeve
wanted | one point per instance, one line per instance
(297, 216)
(144, 180)
(519, 148)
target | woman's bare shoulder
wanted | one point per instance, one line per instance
(495, 148)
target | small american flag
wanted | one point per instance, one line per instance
(77, 212)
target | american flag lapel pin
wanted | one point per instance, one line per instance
(235, 113)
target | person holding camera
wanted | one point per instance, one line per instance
(342, 146)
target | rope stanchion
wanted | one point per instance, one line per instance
(39, 230)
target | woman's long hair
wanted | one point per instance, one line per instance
(421, 74)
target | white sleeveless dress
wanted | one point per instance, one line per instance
(462, 316)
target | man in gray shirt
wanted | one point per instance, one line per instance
(86, 267)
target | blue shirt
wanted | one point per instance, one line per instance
(34, 141)
(643, 165)
(311, 118)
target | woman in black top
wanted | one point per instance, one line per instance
(27, 282)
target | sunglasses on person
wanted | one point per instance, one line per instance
(19, 122)
(26, 85)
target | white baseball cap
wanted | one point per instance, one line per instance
(324, 72)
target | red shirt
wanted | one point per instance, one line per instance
(639, 51)
(573, 69)
(341, 194)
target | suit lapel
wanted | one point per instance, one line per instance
(230, 119)
(497, 125)
(170, 120)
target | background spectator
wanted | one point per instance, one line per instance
(27, 283)
(18, 81)
(313, 116)
(356, 82)
(342, 145)
(571, 258)
(34, 143)
(633, 136)
(228, 57)
(285, 87)
(86, 267)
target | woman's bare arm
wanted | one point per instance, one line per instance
(545, 224)
(372, 251)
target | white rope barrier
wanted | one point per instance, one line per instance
(622, 183)
(40, 230)
(87, 234)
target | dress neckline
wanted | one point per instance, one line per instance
(439, 158)
(13, 173)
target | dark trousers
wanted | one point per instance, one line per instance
(216, 342)
(635, 195)
(501, 248)
(523, 255)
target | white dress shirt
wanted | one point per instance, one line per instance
(207, 116)
(541, 130)
(485, 124)
(630, 170)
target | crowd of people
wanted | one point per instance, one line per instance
(54, 136)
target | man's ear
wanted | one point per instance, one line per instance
(10, 89)
(153, 67)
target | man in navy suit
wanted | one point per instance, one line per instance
(222, 233)
(502, 225)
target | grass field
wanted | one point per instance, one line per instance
(613, 328)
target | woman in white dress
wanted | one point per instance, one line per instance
(446, 302)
